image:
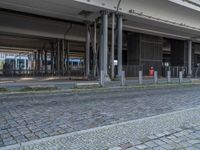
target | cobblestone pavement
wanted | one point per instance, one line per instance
(183, 138)
(35, 116)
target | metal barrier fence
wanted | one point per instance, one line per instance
(133, 70)
(130, 71)
(196, 72)
(75, 72)
(174, 71)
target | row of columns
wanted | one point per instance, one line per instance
(40, 56)
(103, 54)
(57, 58)
(59, 67)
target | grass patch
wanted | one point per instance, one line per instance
(3, 89)
(88, 87)
(32, 89)
(172, 85)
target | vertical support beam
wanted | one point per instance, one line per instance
(104, 44)
(95, 50)
(112, 46)
(63, 58)
(35, 62)
(101, 52)
(52, 61)
(45, 61)
(41, 61)
(120, 40)
(189, 58)
(52, 58)
(68, 50)
(20, 67)
(55, 53)
(38, 62)
(87, 64)
(58, 58)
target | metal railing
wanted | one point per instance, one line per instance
(76, 72)
(196, 72)
(174, 71)
(132, 70)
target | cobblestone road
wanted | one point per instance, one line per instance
(184, 138)
(34, 116)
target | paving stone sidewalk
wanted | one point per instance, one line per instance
(186, 137)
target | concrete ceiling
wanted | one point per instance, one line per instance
(62, 9)
(192, 4)
(70, 10)
(25, 42)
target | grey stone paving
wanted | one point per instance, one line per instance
(184, 138)
(35, 116)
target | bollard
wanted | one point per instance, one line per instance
(169, 76)
(140, 77)
(180, 77)
(155, 77)
(123, 78)
(102, 78)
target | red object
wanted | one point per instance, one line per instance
(151, 72)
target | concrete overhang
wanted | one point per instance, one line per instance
(158, 17)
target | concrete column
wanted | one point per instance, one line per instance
(45, 61)
(87, 64)
(52, 61)
(35, 62)
(58, 58)
(63, 58)
(190, 58)
(105, 42)
(120, 40)
(95, 50)
(112, 46)
(52, 57)
(41, 61)
(68, 50)
(101, 51)
(38, 62)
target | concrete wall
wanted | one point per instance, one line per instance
(146, 51)
(32, 26)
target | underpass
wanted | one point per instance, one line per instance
(48, 43)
